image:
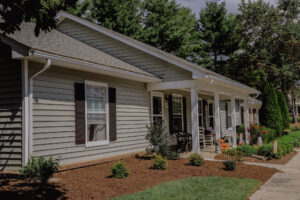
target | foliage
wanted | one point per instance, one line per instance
(230, 165)
(247, 150)
(284, 110)
(157, 137)
(174, 155)
(196, 159)
(220, 35)
(42, 12)
(240, 128)
(238, 155)
(267, 134)
(159, 162)
(119, 170)
(170, 27)
(270, 114)
(198, 188)
(267, 151)
(39, 169)
(118, 15)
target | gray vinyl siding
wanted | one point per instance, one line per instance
(54, 116)
(142, 60)
(10, 115)
(223, 117)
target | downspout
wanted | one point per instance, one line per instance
(30, 113)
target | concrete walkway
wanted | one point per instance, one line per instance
(283, 185)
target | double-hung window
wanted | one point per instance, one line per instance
(177, 112)
(211, 115)
(228, 115)
(96, 95)
(200, 113)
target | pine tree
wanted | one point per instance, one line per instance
(220, 33)
(284, 110)
(270, 114)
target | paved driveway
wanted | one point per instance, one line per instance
(284, 185)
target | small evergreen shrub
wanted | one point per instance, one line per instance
(39, 169)
(159, 162)
(247, 150)
(196, 159)
(229, 165)
(238, 155)
(119, 170)
(173, 155)
(157, 137)
(267, 151)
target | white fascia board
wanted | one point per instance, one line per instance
(172, 85)
(96, 68)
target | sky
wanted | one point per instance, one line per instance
(197, 5)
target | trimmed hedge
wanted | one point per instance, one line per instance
(247, 150)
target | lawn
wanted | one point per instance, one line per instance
(198, 188)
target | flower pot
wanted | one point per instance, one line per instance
(259, 141)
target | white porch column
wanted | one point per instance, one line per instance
(195, 121)
(233, 121)
(25, 111)
(246, 119)
(217, 124)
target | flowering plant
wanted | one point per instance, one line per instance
(256, 131)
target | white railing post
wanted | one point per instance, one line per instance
(233, 121)
(217, 120)
(246, 119)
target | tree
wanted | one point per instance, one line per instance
(284, 110)
(171, 28)
(118, 15)
(42, 12)
(220, 34)
(270, 114)
(81, 8)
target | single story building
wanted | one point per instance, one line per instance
(83, 92)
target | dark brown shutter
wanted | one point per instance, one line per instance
(184, 114)
(79, 113)
(112, 114)
(170, 102)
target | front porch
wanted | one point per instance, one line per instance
(200, 112)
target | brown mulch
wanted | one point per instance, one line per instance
(283, 160)
(95, 182)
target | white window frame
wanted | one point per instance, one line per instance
(209, 116)
(157, 94)
(228, 111)
(179, 95)
(200, 100)
(101, 142)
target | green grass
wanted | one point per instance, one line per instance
(197, 188)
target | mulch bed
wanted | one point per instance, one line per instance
(95, 182)
(283, 160)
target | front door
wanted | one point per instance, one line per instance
(157, 108)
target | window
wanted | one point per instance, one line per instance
(228, 115)
(157, 108)
(96, 95)
(200, 113)
(177, 112)
(211, 115)
(242, 115)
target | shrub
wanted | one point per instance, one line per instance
(230, 165)
(39, 169)
(157, 137)
(238, 155)
(119, 170)
(174, 155)
(284, 110)
(196, 159)
(267, 150)
(247, 150)
(270, 114)
(159, 162)
(268, 135)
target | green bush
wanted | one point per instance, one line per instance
(119, 170)
(270, 113)
(238, 155)
(196, 159)
(159, 162)
(284, 110)
(39, 169)
(157, 137)
(247, 150)
(229, 165)
(174, 155)
(267, 151)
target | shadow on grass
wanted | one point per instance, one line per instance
(17, 189)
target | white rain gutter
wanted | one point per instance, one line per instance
(30, 135)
